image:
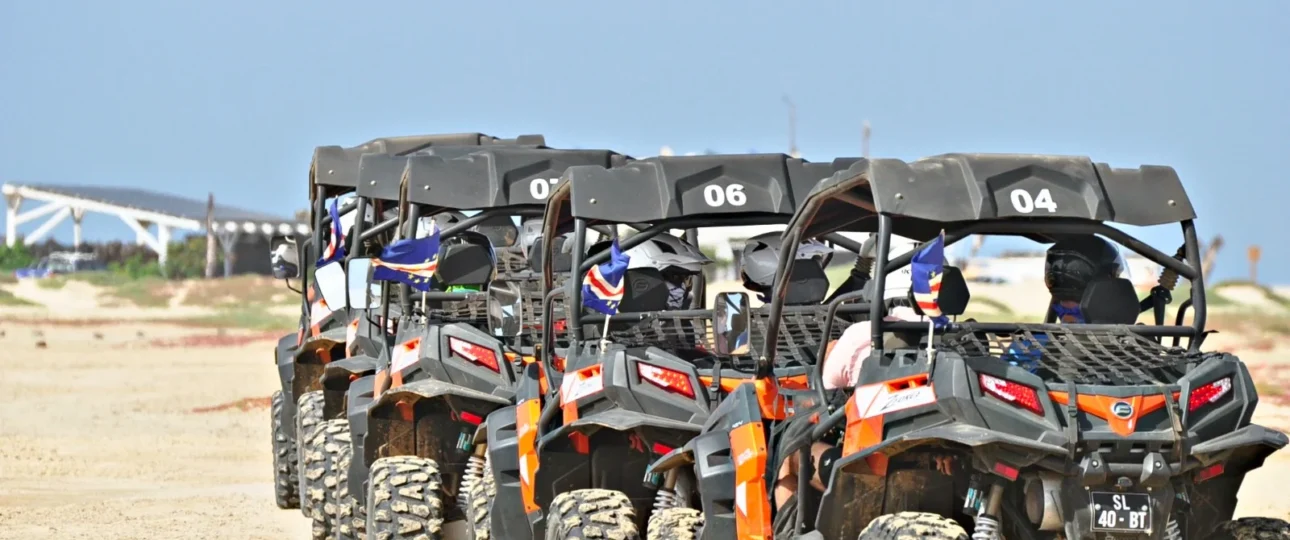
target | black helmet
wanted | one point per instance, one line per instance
(1074, 262)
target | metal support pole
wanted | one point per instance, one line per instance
(77, 215)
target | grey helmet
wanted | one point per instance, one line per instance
(761, 258)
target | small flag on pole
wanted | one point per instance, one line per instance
(335, 250)
(603, 287)
(927, 268)
(413, 261)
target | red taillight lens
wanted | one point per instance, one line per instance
(673, 381)
(478, 354)
(1019, 395)
(1208, 394)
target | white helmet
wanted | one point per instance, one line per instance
(897, 283)
(665, 252)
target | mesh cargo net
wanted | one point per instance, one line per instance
(1063, 353)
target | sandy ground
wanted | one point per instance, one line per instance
(98, 438)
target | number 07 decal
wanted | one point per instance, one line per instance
(1023, 202)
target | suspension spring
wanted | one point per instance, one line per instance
(987, 528)
(865, 265)
(664, 499)
(1172, 530)
(474, 473)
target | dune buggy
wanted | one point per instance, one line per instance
(1105, 428)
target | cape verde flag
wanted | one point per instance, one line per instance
(335, 249)
(413, 261)
(928, 267)
(603, 287)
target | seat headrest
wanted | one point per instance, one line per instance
(563, 259)
(1110, 300)
(644, 289)
(465, 264)
(954, 296)
(809, 284)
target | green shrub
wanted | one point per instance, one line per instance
(13, 258)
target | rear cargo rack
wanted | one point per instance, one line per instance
(1070, 353)
(799, 340)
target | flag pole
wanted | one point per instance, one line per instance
(604, 335)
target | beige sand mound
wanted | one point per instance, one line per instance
(1248, 297)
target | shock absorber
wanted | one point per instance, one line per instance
(987, 522)
(1172, 530)
(474, 473)
(666, 496)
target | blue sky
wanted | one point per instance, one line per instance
(232, 96)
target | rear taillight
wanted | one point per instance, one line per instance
(1018, 395)
(478, 354)
(677, 382)
(1208, 393)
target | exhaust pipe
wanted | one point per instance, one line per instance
(1041, 492)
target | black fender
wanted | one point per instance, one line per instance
(618, 453)
(428, 418)
(309, 359)
(335, 381)
(507, 517)
(359, 397)
(1254, 442)
(284, 359)
(856, 491)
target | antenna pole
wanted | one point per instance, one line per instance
(864, 142)
(792, 127)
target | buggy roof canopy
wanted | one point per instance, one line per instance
(381, 175)
(498, 177)
(337, 167)
(952, 191)
(737, 187)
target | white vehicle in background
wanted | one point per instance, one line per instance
(59, 263)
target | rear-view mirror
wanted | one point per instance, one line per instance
(363, 294)
(331, 284)
(284, 257)
(505, 309)
(732, 324)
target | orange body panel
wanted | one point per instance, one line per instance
(1100, 406)
(526, 428)
(748, 446)
(773, 407)
(864, 430)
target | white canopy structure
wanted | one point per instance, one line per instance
(140, 210)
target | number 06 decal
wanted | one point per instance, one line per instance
(1024, 203)
(732, 194)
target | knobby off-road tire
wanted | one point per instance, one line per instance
(1252, 528)
(350, 515)
(309, 412)
(675, 524)
(286, 482)
(479, 505)
(592, 514)
(329, 446)
(913, 526)
(403, 499)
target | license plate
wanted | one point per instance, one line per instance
(1122, 512)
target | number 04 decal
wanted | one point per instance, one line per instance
(732, 194)
(1023, 202)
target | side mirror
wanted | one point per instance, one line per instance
(284, 257)
(363, 294)
(331, 284)
(732, 324)
(505, 309)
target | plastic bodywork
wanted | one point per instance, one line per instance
(436, 414)
(624, 425)
(885, 464)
